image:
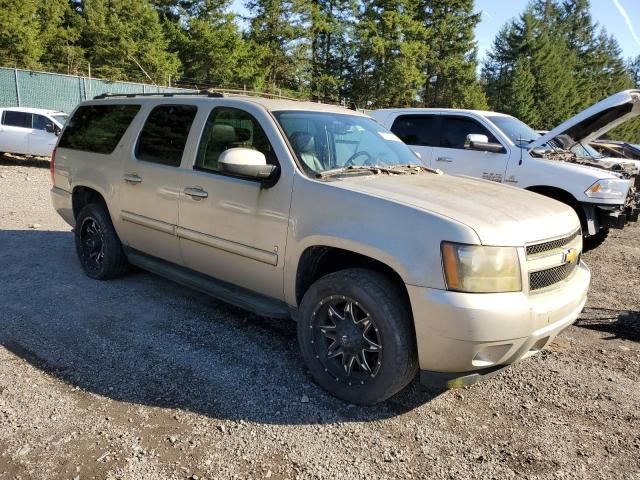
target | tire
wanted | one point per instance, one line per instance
(596, 240)
(338, 353)
(97, 244)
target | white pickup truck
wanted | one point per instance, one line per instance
(501, 148)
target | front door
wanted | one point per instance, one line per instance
(232, 228)
(42, 139)
(151, 182)
(454, 156)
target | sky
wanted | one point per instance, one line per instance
(620, 18)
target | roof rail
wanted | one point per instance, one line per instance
(159, 94)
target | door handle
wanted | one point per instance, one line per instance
(444, 159)
(196, 193)
(132, 178)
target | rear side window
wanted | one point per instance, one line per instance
(456, 129)
(165, 133)
(16, 119)
(98, 128)
(417, 130)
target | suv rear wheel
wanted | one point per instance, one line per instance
(356, 336)
(97, 244)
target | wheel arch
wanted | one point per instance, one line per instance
(562, 196)
(319, 260)
(83, 195)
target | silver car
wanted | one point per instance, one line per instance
(318, 213)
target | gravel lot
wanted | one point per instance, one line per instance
(141, 378)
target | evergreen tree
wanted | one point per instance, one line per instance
(633, 67)
(274, 41)
(214, 50)
(450, 67)
(125, 40)
(60, 28)
(390, 53)
(20, 43)
(520, 100)
(328, 24)
(574, 63)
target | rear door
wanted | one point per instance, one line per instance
(151, 179)
(454, 156)
(15, 128)
(42, 138)
(420, 132)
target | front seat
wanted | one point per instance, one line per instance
(304, 145)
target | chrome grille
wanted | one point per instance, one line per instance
(544, 247)
(545, 278)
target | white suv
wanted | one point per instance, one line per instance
(317, 213)
(501, 148)
(30, 131)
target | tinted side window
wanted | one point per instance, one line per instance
(98, 128)
(16, 119)
(40, 122)
(417, 129)
(231, 128)
(456, 129)
(165, 133)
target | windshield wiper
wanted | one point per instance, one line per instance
(358, 168)
(419, 168)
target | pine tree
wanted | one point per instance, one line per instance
(274, 43)
(20, 43)
(519, 100)
(390, 54)
(450, 68)
(60, 28)
(328, 23)
(215, 52)
(124, 40)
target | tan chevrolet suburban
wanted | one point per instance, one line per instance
(317, 213)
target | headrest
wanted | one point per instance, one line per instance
(303, 142)
(223, 134)
(242, 134)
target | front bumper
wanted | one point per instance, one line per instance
(461, 333)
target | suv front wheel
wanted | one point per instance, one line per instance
(97, 244)
(356, 336)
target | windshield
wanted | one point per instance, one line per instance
(328, 141)
(586, 151)
(518, 132)
(60, 118)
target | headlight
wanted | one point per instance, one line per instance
(480, 269)
(608, 188)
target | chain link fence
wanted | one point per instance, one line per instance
(27, 88)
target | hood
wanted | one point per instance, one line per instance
(500, 215)
(593, 122)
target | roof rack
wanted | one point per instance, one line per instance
(159, 94)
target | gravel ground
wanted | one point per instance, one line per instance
(141, 378)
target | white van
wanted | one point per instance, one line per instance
(30, 131)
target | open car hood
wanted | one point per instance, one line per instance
(593, 122)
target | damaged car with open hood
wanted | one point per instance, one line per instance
(605, 194)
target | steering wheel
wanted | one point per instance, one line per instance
(350, 161)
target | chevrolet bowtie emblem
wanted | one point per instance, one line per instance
(570, 255)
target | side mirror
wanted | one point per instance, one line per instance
(245, 162)
(481, 143)
(50, 128)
